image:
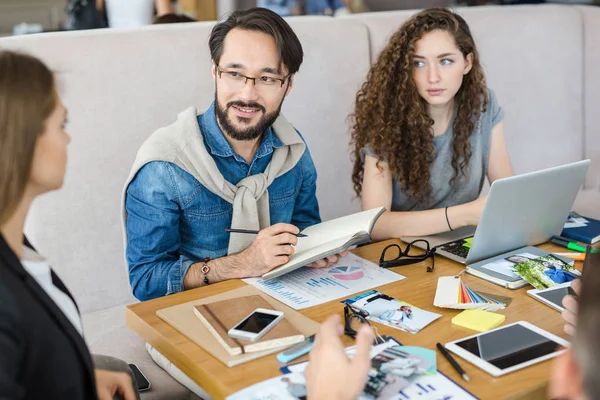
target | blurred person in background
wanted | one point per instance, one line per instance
(132, 13)
(285, 8)
(172, 18)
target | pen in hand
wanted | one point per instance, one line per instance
(253, 232)
(452, 361)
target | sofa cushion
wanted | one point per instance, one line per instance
(106, 333)
(532, 56)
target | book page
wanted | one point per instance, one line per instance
(310, 255)
(308, 287)
(323, 247)
(337, 228)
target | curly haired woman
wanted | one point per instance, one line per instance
(426, 130)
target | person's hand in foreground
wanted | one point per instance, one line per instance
(109, 384)
(328, 362)
(570, 304)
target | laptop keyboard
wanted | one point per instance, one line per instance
(456, 248)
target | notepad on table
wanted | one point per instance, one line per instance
(223, 315)
(478, 320)
(587, 230)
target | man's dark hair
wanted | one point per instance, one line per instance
(172, 19)
(260, 20)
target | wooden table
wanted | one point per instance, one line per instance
(418, 289)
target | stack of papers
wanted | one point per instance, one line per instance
(453, 293)
(308, 287)
(397, 373)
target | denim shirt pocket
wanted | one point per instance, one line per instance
(204, 221)
(282, 196)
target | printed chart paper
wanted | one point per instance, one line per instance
(308, 287)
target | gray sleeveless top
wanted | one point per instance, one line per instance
(441, 172)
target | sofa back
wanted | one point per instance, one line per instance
(121, 85)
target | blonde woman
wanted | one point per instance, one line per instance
(43, 354)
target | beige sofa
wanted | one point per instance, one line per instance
(120, 85)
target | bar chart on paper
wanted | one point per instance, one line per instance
(284, 292)
(308, 287)
(434, 387)
(324, 282)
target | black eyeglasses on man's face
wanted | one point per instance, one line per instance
(408, 256)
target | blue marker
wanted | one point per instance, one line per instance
(298, 350)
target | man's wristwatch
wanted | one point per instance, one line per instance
(205, 270)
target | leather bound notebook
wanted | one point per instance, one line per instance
(183, 318)
(223, 315)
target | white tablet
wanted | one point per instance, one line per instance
(508, 348)
(553, 296)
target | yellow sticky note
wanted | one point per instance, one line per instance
(478, 320)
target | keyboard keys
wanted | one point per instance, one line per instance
(456, 248)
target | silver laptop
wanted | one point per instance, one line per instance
(522, 210)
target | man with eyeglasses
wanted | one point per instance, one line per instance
(239, 164)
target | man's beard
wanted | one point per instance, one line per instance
(251, 132)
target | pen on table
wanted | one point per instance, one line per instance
(453, 362)
(253, 232)
(297, 350)
(573, 256)
(570, 245)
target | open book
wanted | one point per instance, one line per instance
(329, 238)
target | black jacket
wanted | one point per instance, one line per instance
(42, 355)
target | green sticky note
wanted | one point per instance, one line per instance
(467, 242)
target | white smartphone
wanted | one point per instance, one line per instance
(255, 325)
(553, 296)
(508, 348)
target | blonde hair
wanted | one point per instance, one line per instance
(27, 98)
(356, 6)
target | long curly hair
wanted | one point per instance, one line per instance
(391, 117)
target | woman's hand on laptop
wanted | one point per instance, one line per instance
(475, 210)
(467, 214)
(571, 304)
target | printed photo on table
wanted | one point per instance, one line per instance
(397, 368)
(545, 272)
(389, 311)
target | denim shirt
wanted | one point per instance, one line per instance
(174, 221)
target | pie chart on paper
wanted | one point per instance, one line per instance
(347, 273)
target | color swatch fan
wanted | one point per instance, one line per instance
(453, 293)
